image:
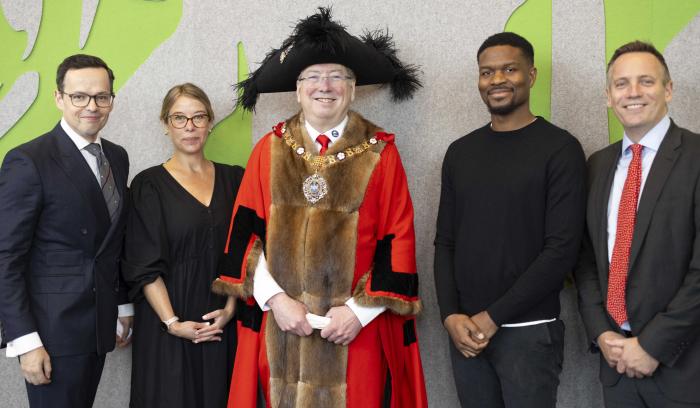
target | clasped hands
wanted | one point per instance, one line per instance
(626, 355)
(290, 316)
(200, 332)
(470, 335)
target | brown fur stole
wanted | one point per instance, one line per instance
(311, 254)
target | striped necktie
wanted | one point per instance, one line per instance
(109, 188)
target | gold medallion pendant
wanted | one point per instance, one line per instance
(315, 188)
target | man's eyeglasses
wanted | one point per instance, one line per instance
(316, 79)
(180, 121)
(81, 100)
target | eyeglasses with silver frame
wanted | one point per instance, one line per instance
(333, 79)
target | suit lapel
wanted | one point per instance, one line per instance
(81, 176)
(601, 197)
(660, 169)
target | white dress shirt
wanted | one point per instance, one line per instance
(651, 142)
(265, 286)
(31, 341)
(81, 144)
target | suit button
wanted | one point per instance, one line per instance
(83, 231)
(94, 290)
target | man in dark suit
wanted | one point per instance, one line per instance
(639, 272)
(62, 201)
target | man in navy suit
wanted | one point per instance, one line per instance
(62, 201)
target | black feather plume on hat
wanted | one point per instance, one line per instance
(406, 77)
(318, 40)
(320, 31)
(247, 89)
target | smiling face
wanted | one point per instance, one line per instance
(89, 120)
(326, 102)
(189, 139)
(505, 79)
(637, 92)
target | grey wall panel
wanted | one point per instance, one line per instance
(683, 59)
(578, 92)
(578, 71)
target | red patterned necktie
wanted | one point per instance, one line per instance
(626, 217)
(323, 140)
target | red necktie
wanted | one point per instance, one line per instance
(323, 140)
(626, 217)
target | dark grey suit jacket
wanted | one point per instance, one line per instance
(663, 284)
(59, 252)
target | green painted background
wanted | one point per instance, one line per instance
(657, 21)
(533, 20)
(231, 139)
(124, 33)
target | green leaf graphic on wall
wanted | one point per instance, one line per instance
(230, 140)
(625, 20)
(657, 21)
(533, 20)
(123, 33)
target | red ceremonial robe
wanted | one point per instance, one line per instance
(357, 241)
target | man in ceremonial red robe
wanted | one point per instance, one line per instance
(321, 249)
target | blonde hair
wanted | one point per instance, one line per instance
(189, 90)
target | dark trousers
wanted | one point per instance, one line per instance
(639, 393)
(518, 369)
(74, 381)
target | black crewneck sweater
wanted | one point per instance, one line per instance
(510, 222)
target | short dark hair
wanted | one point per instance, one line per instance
(512, 39)
(639, 46)
(79, 61)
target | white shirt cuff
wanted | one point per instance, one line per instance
(23, 344)
(264, 285)
(125, 310)
(365, 314)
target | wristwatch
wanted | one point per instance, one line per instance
(165, 325)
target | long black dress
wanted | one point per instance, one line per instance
(172, 235)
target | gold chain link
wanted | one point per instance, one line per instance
(322, 162)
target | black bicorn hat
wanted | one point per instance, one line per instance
(319, 40)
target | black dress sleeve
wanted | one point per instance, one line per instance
(146, 244)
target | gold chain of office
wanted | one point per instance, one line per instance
(321, 162)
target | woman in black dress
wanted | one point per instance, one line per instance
(180, 212)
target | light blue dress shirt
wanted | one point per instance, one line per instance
(651, 142)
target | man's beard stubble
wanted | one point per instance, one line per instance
(506, 109)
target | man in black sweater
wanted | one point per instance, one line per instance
(509, 228)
